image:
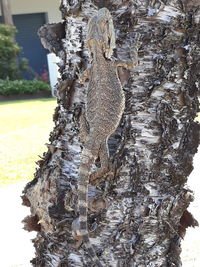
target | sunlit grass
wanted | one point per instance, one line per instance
(24, 129)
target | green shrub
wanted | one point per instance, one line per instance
(10, 65)
(17, 87)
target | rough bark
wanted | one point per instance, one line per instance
(139, 217)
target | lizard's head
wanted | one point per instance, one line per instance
(101, 32)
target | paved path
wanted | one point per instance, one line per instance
(16, 248)
(191, 242)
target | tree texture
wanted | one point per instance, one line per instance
(138, 216)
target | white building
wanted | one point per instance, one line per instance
(28, 16)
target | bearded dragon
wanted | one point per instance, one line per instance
(104, 108)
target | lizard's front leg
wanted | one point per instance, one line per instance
(130, 64)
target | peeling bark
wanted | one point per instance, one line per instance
(139, 217)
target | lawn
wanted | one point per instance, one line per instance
(25, 126)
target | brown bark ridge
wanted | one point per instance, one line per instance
(139, 217)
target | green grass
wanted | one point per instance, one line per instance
(24, 129)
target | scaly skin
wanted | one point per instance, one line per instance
(104, 109)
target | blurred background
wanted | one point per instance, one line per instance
(27, 77)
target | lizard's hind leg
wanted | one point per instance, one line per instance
(98, 175)
(88, 157)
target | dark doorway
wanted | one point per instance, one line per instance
(27, 26)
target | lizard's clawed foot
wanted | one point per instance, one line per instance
(78, 242)
(76, 234)
(101, 175)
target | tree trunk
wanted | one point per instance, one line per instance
(139, 217)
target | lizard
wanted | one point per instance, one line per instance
(105, 105)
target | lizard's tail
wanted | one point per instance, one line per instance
(84, 172)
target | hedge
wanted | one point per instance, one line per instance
(17, 87)
(11, 66)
